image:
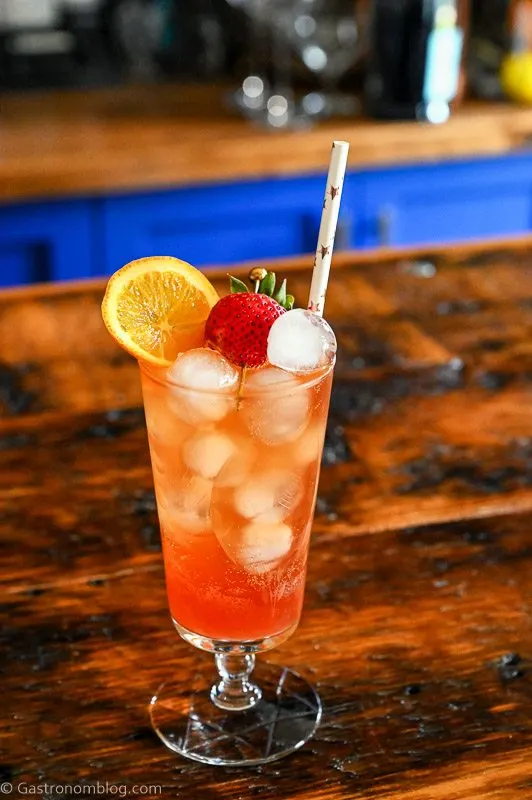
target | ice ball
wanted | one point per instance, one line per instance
(206, 453)
(269, 496)
(205, 385)
(262, 545)
(275, 407)
(186, 508)
(301, 341)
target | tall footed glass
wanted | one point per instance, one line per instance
(236, 474)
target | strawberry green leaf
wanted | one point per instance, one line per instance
(289, 302)
(267, 284)
(280, 296)
(237, 285)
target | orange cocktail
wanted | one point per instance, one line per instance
(236, 394)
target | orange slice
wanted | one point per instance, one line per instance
(157, 307)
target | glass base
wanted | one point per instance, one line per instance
(285, 715)
(246, 646)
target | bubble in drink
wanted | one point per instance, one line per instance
(301, 341)
(206, 453)
(275, 416)
(207, 372)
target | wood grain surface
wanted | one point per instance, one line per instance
(417, 620)
(125, 139)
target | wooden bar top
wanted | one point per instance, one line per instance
(133, 139)
(417, 618)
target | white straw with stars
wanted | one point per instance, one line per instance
(329, 221)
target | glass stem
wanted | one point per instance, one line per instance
(235, 691)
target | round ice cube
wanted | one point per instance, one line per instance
(269, 496)
(237, 468)
(269, 379)
(206, 453)
(275, 406)
(254, 500)
(187, 508)
(204, 386)
(262, 545)
(301, 341)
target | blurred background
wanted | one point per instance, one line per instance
(202, 128)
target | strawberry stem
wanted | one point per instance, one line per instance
(241, 379)
(256, 276)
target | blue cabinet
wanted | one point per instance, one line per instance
(225, 223)
(448, 202)
(46, 242)
(219, 224)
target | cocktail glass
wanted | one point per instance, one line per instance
(236, 477)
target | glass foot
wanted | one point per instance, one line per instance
(283, 718)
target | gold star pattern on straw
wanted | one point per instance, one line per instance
(314, 307)
(324, 251)
(334, 191)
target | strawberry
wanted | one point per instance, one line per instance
(238, 327)
(239, 324)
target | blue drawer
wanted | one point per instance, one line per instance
(226, 223)
(450, 201)
(219, 224)
(46, 242)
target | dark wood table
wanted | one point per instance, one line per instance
(417, 625)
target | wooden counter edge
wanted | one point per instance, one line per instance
(132, 144)
(341, 260)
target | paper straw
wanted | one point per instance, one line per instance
(329, 221)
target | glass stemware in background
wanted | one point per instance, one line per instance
(269, 101)
(253, 92)
(138, 26)
(325, 33)
(159, 38)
